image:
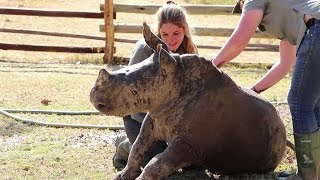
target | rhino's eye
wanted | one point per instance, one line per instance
(134, 92)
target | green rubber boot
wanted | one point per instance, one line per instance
(308, 155)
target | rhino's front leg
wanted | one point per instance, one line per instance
(177, 155)
(139, 148)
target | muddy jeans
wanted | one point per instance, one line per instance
(304, 94)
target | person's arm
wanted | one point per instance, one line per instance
(279, 69)
(240, 37)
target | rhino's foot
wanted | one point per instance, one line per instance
(149, 176)
(127, 174)
(177, 155)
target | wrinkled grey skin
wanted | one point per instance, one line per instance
(205, 118)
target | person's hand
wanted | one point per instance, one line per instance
(252, 88)
(214, 63)
(258, 91)
(249, 90)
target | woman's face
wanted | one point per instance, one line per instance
(172, 35)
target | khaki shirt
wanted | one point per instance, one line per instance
(279, 19)
(311, 7)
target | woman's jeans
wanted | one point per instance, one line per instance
(304, 94)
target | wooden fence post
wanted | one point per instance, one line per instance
(109, 31)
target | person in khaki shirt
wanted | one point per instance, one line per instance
(296, 23)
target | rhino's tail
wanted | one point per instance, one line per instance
(290, 145)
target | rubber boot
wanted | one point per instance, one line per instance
(121, 155)
(308, 157)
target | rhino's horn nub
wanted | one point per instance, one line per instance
(159, 47)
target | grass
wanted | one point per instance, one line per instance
(34, 152)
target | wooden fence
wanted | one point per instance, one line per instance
(50, 13)
(109, 12)
(110, 28)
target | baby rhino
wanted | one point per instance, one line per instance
(204, 117)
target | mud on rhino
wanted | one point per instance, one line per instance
(203, 115)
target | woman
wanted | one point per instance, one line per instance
(172, 27)
(295, 27)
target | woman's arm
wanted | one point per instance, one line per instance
(240, 37)
(279, 69)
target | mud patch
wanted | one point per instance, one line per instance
(91, 139)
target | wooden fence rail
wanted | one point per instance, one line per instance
(47, 33)
(151, 9)
(199, 31)
(109, 12)
(49, 13)
(71, 49)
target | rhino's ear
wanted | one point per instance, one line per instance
(151, 39)
(102, 78)
(165, 59)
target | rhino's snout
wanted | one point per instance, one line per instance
(100, 104)
(103, 107)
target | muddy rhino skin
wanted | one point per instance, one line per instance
(201, 113)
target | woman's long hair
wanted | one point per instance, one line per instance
(177, 15)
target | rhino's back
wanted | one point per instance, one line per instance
(234, 131)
